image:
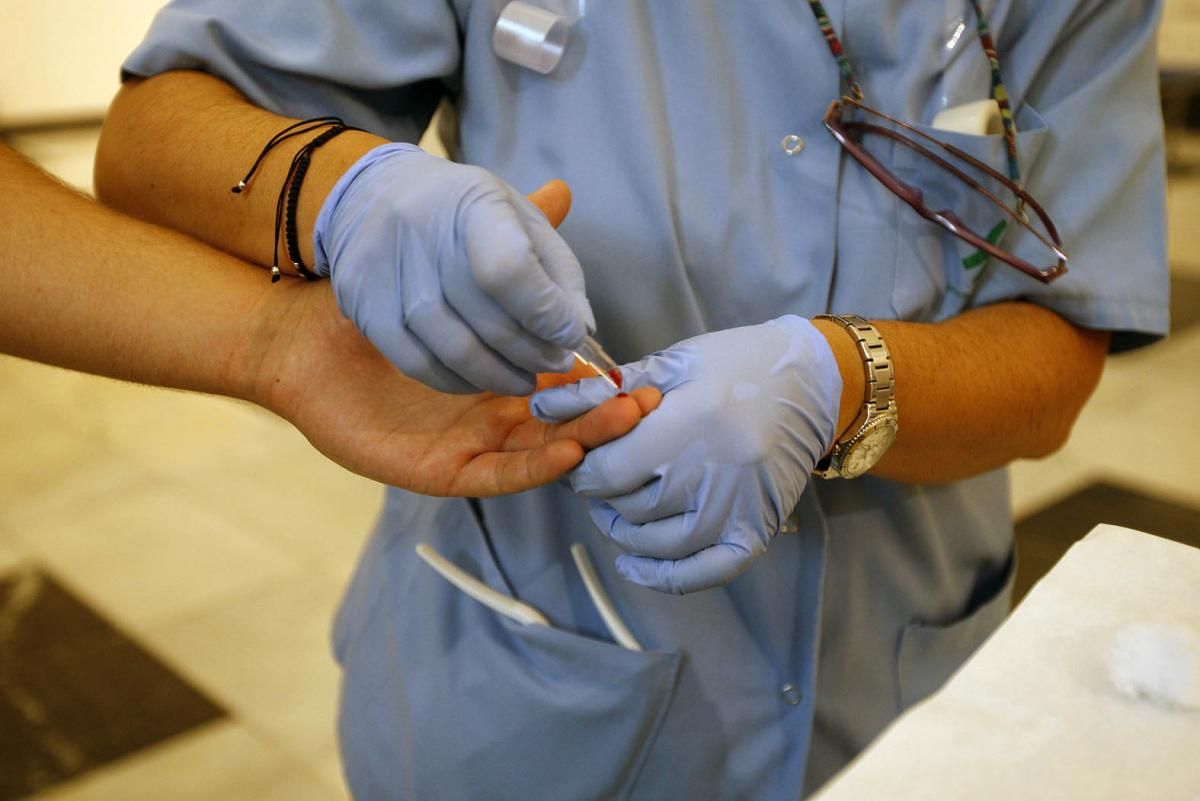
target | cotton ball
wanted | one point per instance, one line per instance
(1157, 662)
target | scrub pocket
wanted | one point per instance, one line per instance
(936, 273)
(930, 653)
(444, 699)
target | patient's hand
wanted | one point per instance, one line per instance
(317, 371)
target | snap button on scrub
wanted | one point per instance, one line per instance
(792, 144)
(791, 694)
(791, 525)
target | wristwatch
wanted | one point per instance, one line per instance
(855, 455)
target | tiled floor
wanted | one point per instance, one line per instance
(69, 681)
(215, 537)
(1045, 535)
(212, 534)
(217, 540)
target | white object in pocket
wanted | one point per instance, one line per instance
(496, 601)
(981, 118)
(935, 275)
(524, 613)
(442, 698)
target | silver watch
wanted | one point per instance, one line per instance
(863, 449)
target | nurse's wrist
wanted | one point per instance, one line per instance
(850, 366)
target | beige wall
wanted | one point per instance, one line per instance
(59, 59)
(1179, 36)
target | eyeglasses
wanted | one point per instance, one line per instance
(849, 133)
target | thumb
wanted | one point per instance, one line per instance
(553, 199)
(559, 404)
(663, 370)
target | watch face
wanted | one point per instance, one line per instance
(872, 444)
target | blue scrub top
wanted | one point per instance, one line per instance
(667, 120)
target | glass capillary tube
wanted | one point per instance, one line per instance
(594, 356)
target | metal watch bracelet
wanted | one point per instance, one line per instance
(857, 453)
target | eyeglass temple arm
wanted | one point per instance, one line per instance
(913, 196)
(964, 177)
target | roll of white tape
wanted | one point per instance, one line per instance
(530, 36)
(981, 118)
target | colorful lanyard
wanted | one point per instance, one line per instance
(999, 92)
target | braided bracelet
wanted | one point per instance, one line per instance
(289, 193)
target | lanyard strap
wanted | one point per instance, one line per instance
(999, 92)
(835, 47)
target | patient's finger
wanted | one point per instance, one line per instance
(536, 453)
(503, 473)
(609, 420)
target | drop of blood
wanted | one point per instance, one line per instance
(615, 375)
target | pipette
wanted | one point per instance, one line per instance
(594, 356)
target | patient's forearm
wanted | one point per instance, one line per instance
(93, 290)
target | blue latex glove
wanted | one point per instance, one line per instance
(698, 489)
(454, 276)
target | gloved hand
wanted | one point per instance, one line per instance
(696, 491)
(454, 276)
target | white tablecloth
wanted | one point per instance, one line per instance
(1034, 714)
